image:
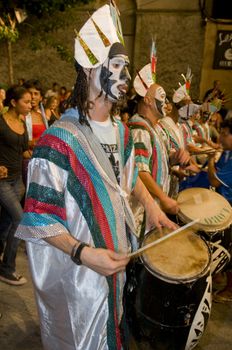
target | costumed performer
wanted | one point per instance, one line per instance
(76, 209)
(151, 144)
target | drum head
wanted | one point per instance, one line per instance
(183, 257)
(213, 210)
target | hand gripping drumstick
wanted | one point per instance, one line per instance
(182, 228)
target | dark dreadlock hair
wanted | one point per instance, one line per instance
(79, 96)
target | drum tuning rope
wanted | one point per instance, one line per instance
(182, 228)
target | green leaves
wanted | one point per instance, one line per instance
(7, 33)
(8, 30)
(39, 7)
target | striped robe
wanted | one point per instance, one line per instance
(202, 130)
(151, 155)
(174, 132)
(68, 191)
(187, 133)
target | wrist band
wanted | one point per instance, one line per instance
(76, 252)
(74, 249)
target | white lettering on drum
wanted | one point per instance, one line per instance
(219, 218)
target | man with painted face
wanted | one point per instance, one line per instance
(201, 129)
(152, 147)
(114, 74)
(76, 210)
(109, 85)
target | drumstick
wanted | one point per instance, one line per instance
(182, 228)
(205, 152)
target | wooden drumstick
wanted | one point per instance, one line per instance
(206, 152)
(182, 228)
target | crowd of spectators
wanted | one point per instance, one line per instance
(25, 113)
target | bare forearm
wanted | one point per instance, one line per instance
(103, 261)
(194, 149)
(152, 186)
(142, 193)
(211, 173)
(212, 144)
(154, 215)
(64, 242)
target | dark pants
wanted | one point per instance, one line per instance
(5, 225)
(11, 193)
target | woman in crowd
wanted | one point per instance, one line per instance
(52, 109)
(13, 144)
(63, 94)
(2, 98)
(35, 120)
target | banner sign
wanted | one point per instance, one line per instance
(223, 50)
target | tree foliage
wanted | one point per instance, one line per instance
(38, 7)
(9, 28)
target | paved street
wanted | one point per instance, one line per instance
(19, 327)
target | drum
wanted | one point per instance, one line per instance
(213, 210)
(215, 216)
(220, 255)
(168, 292)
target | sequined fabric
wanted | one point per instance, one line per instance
(69, 191)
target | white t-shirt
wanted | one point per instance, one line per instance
(106, 134)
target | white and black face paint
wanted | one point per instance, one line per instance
(205, 116)
(160, 101)
(115, 77)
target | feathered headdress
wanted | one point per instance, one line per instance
(183, 91)
(212, 106)
(153, 61)
(147, 75)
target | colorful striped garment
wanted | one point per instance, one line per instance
(187, 133)
(68, 191)
(151, 155)
(151, 150)
(173, 131)
(202, 130)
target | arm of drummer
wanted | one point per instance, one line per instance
(193, 148)
(155, 216)
(179, 157)
(202, 140)
(212, 144)
(167, 204)
(106, 262)
(212, 171)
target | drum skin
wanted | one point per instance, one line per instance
(213, 211)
